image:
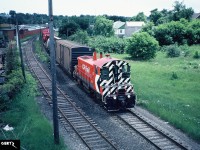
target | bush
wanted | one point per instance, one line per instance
(172, 51)
(196, 55)
(142, 46)
(108, 45)
(14, 82)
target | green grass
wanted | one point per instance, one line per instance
(170, 88)
(30, 126)
(39, 52)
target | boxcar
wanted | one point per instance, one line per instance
(67, 53)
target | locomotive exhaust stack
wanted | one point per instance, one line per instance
(101, 55)
(95, 55)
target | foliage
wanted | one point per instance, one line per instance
(170, 33)
(108, 45)
(193, 32)
(148, 27)
(68, 28)
(39, 51)
(80, 36)
(142, 46)
(139, 17)
(103, 26)
(14, 82)
(117, 18)
(12, 58)
(196, 55)
(30, 126)
(14, 78)
(172, 50)
(179, 11)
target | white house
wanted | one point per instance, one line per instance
(126, 29)
(119, 28)
(132, 27)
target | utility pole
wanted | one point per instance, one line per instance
(20, 50)
(53, 73)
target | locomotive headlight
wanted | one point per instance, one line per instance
(129, 96)
(114, 97)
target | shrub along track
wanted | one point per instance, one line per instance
(159, 138)
(69, 113)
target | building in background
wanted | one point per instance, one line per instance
(126, 29)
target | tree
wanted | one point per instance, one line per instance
(148, 28)
(103, 26)
(193, 32)
(142, 46)
(12, 61)
(139, 17)
(68, 28)
(170, 33)
(12, 19)
(180, 11)
(80, 36)
(155, 16)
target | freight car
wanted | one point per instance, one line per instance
(67, 53)
(108, 79)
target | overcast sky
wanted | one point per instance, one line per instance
(92, 7)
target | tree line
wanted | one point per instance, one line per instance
(163, 27)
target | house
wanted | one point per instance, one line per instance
(132, 27)
(119, 28)
(126, 29)
(8, 31)
(196, 16)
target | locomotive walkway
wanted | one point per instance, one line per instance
(69, 114)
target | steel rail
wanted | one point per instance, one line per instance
(156, 136)
(103, 135)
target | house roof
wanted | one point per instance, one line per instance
(196, 15)
(118, 24)
(135, 23)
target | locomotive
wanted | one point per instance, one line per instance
(108, 79)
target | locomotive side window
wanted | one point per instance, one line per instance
(116, 68)
(126, 71)
(105, 73)
(96, 69)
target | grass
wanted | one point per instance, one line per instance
(30, 126)
(170, 88)
(39, 52)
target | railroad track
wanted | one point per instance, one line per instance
(69, 113)
(159, 138)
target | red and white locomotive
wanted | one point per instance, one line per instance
(108, 78)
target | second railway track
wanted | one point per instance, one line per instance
(150, 131)
(85, 127)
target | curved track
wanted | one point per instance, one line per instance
(151, 132)
(69, 113)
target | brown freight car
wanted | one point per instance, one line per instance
(67, 53)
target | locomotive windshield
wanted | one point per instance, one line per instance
(126, 71)
(105, 73)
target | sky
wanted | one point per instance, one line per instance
(126, 8)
